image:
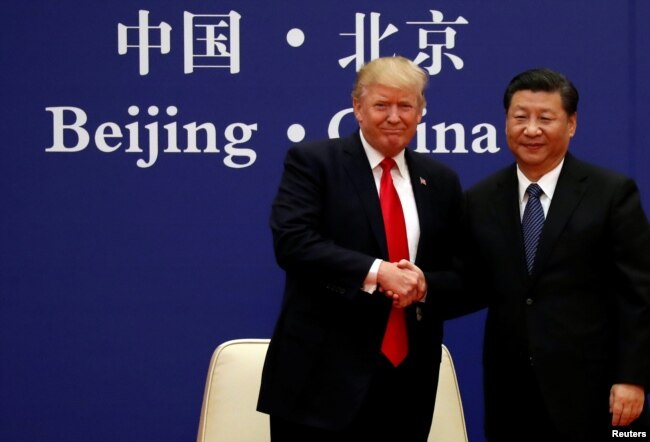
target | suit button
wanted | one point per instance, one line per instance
(529, 301)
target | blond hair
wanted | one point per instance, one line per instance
(397, 72)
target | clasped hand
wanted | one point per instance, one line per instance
(402, 281)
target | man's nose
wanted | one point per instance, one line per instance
(393, 113)
(532, 127)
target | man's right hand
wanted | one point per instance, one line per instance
(403, 284)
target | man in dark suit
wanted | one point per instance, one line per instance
(331, 373)
(567, 337)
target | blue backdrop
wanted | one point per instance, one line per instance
(142, 143)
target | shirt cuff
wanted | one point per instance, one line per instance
(370, 283)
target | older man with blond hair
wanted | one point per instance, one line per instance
(363, 228)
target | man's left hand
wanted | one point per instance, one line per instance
(625, 403)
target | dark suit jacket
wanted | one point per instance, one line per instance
(583, 317)
(327, 230)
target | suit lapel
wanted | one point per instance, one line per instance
(360, 173)
(507, 212)
(571, 186)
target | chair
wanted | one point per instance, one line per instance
(229, 410)
(228, 413)
(448, 419)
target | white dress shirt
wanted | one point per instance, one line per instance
(402, 183)
(547, 182)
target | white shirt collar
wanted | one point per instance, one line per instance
(375, 157)
(547, 182)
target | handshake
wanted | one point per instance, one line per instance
(401, 281)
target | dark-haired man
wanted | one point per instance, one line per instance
(563, 249)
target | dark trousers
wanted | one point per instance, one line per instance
(521, 414)
(393, 410)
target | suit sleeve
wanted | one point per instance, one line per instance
(631, 246)
(301, 243)
(447, 290)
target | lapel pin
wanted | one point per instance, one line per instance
(423, 181)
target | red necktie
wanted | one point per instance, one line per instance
(395, 343)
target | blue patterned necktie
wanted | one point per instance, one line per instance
(532, 223)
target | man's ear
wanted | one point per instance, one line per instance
(356, 106)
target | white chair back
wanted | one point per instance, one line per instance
(229, 411)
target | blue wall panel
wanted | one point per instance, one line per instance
(121, 271)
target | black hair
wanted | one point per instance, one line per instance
(546, 80)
